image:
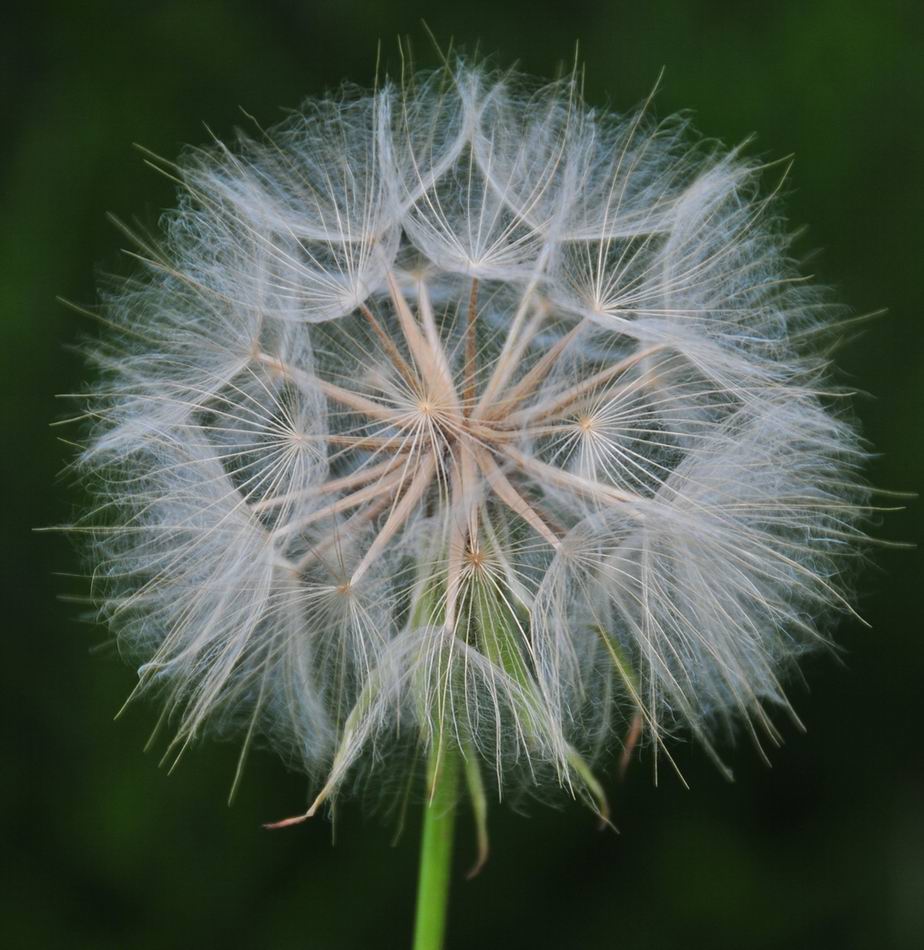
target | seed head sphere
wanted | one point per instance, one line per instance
(460, 416)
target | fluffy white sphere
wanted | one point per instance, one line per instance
(461, 415)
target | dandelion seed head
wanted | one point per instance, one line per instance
(460, 414)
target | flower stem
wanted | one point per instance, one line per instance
(436, 851)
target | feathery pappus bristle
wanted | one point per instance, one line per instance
(461, 415)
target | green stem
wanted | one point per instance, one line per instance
(436, 851)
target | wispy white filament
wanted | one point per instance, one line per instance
(462, 415)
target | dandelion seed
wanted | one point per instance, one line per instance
(461, 414)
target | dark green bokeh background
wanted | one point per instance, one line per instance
(103, 850)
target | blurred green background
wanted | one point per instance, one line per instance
(103, 850)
